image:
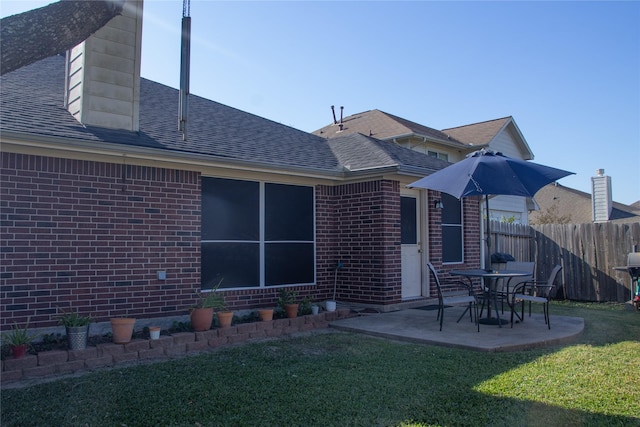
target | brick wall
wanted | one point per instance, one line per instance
(367, 223)
(92, 236)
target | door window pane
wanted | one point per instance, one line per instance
(408, 221)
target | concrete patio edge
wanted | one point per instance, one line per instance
(421, 326)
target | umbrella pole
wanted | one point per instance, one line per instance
(487, 256)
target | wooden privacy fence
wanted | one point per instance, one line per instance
(587, 253)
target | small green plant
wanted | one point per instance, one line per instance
(72, 319)
(180, 327)
(286, 296)
(211, 299)
(52, 342)
(19, 336)
(305, 306)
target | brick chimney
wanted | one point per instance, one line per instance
(102, 86)
(601, 201)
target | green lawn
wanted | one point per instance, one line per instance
(342, 379)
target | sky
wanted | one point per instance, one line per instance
(567, 72)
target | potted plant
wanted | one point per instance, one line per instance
(306, 307)
(202, 312)
(287, 301)
(77, 328)
(225, 317)
(265, 314)
(154, 332)
(19, 340)
(122, 329)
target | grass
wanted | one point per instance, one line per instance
(342, 379)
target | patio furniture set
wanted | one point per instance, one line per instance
(514, 286)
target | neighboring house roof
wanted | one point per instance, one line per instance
(32, 105)
(576, 204)
(384, 126)
(483, 133)
(358, 152)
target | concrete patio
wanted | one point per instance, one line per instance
(420, 326)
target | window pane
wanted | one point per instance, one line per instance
(230, 209)
(289, 263)
(451, 244)
(288, 212)
(452, 211)
(238, 264)
(408, 221)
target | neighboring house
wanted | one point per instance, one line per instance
(560, 204)
(108, 209)
(451, 145)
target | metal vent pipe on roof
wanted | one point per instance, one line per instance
(185, 59)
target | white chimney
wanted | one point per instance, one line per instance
(103, 73)
(601, 200)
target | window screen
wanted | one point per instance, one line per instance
(255, 234)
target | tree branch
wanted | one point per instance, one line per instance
(28, 37)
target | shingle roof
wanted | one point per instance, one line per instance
(360, 152)
(214, 129)
(32, 102)
(383, 125)
(478, 133)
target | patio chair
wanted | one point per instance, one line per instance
(534, 291)
(447, 300)
(505, 287)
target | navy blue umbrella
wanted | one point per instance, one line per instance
(487, 172)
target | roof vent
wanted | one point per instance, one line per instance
(185, 60)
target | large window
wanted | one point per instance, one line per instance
(452, 250)
(256, 234)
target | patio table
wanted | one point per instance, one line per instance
(489, 278)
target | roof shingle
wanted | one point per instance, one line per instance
(32, 103)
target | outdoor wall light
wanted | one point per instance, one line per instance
(437, 204)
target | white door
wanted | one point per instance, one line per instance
(411, 246)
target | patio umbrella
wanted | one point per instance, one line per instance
(487, 172)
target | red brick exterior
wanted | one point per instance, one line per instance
(367, 219)
(93, 236)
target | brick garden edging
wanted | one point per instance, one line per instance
(60, 362)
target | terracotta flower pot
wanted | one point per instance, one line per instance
(18, 351)
(201, 319)
(291, 310)
(266, 314)
(122, 329)
(225, 318)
